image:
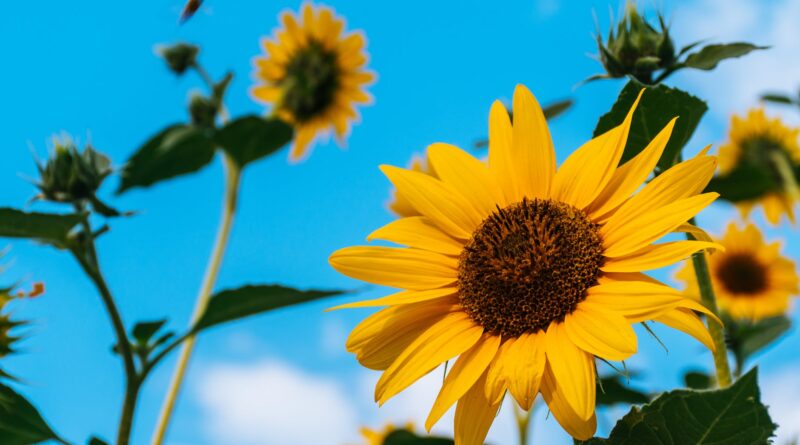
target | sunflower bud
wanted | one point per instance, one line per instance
(638, 48)
(179, 57)
(70, 176)
(7, 325)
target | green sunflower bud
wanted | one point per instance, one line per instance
(179, 57)
(71, 176)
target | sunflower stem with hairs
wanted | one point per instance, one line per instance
(523, 419)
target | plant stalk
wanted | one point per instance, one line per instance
(784, 167)
(523, 423)
(232, 183)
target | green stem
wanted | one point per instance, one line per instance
(784, 168)
(523, 423)
(709, 300)
(233, 180)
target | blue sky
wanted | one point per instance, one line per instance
(88, 68)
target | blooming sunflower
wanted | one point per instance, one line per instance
(399, 204)
(524, 272)
(754, 140)
(313, 75)
(752, 280)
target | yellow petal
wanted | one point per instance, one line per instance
(631, 235)
(587, 171)
(474, 415)
(418, 232)
(573, 424)
(445, 339)
(466, 371)
(602, 333)
(396, 267)
(404, 297)
(573, 369)
(656, 256)
(526, 361)
(466, 174)
(446, 207)
(698, 233)
(501, 161)
(533, 153)
(499, 374)
(686, 321)
(635, 300)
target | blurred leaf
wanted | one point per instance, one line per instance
(235, 304)
(658, 106)
(777, 98)
(20, 422)
(176, 150)
(250, 138)
(405, 437)
(46, 228)
(711, 55)
(95, 441)
(697, 380)
(557, 108)
(745, 183)
(730, 416)
(615, 390)
(747, 338)
(145, 330)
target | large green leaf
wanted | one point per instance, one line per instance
(250, 138)
(613, 390)
(730, 416)
(47, 228)
(235, 304)
(657, 107)
(708, 57)
(747, 338)
(697, 380)
(176, 150)
(744, 183)
(20, 422)
(405, 437)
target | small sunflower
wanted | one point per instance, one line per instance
(313, 75)
(754, 140)
(752, 280)
(524, 272)
(377, 437)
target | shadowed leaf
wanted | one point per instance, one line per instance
(20, 422)
(251, 138)
(744, 183)
(697, 380)
(615, 390)
(405, 437)
(46, 228)
(711, 55)
(746, 338)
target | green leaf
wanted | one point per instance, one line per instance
(747, 338)
(657, 107)
(96, 441)
(746, 182)
(777, 98)
(176, 150)
(697, 380)
(557, 108)
(730, 416)
(145, 330)
(711, 55)
(405, 437)
(614, 390)
(234, 304)
(20, 422)
(250, 138)
(48, 228)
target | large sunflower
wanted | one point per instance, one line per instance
(314, 75)
(398, 204)
(752, 280)
(755, 140)
(524, 272)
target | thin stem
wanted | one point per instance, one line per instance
(709, 300)
(523, 423)
(233, 180)
(784, 167)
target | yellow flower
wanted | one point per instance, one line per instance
(752, 280)
(752, 140)
(399, 204)
(313, 75)
(377, 437)
(524, 272)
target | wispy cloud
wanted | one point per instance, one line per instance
(779, 392)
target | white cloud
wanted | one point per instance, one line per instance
(779, 392)
(271, 403)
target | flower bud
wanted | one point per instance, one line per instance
(70, 176)
(179, 57)
(203, 111)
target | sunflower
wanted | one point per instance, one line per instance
(377, 437)
(313, 75)
(398, 204)
(752, 280)
(524, 272)
(754, 140)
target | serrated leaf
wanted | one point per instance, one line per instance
(697, 380)
(251, 138)
(613, 390)
(711, 55)
(234, 304)
(658, 106)
(48, 228)
(747, 338)
(730, 416)
(145, 330)
(20, 422)
(744, 183)
(176, 150)
(405, 437)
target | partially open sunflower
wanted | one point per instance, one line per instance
(752, 279)
(524, 272)
(314, 76)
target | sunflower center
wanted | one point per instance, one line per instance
(311, 81)
(528, 265)
(740, 273)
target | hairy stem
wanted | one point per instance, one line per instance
(523, 423)
(233, 180)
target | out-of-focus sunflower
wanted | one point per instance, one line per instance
(756, 140)
(313, 75)
(377, 437)
(524, 272)
(398, 203)
(752, 280)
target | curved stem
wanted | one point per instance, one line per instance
(784, 167)
(709, 300)
(233, 179)
(523, 423)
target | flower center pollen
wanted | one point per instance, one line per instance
(311, 82)
(527, 265)
(740, 273)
